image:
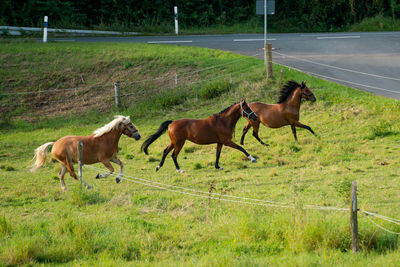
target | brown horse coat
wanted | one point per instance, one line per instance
(286, 112)
(217, 128)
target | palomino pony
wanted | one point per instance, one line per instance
(101, 146)
(217, 128)
(286, 112)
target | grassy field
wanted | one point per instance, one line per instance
(133, 224)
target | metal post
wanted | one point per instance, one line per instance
(80, 163)
(353, 218)
(265, 32)
(268, 52)
(176, 19)
(46, 20)
(117, 94)
(80, 154)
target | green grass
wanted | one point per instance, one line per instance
(133, 224)
(377, 23)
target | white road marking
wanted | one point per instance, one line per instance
(339, 80)
(64, 40)
(251, 40)
(338, 37)
(338, 68)
(168, 42)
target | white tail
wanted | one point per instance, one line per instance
(40, 156)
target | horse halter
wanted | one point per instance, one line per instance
(307, 96)
(247, 113)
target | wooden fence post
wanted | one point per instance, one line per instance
(268, 53)
(280, 77)
(117, 94)
(353, 218)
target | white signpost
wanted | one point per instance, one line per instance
(265, 7)
(46, 20)
(176, 19)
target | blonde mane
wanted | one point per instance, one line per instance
(114, 124)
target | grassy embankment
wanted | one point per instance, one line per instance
(358, 139)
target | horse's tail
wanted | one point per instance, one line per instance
(163, 127)
(40, 156)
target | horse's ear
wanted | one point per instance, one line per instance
(303, 84)
(244, 100)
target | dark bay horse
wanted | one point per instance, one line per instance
(286, 112)
(217, 128)
(101, 146)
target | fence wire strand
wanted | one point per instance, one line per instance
(222, 197)
(380, 226)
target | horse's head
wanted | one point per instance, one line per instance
(130, 130)
(306, 92)
(246, 110)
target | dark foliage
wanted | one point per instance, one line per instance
(291, 15)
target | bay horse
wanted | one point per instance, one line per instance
(286, 112)
(217, 128)
(101, 146)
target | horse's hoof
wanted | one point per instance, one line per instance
(89, 186)
(98, 176)
(180, 171)
(117, 180)
(157, 168)
(219, 168)
(252, 159)
(266, 144)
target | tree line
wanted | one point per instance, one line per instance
(290, 15)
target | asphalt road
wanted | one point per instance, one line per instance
(367, 61)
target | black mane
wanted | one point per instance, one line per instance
(286, 90)
(226, 109)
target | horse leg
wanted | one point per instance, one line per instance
(299, 124)
(177, 149)
(256, 127)
(245, 129)
(219, 147)
(294, 132)
(235, 146)
(70, 168)
(61, 174)
(165, 153)
(108, 166)
(121, 172)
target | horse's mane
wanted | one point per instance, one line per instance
(114, 124)
(226, 109)
(286, 90)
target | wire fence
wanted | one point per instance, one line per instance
(188, 78)
(50, 102)
(250, 201)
